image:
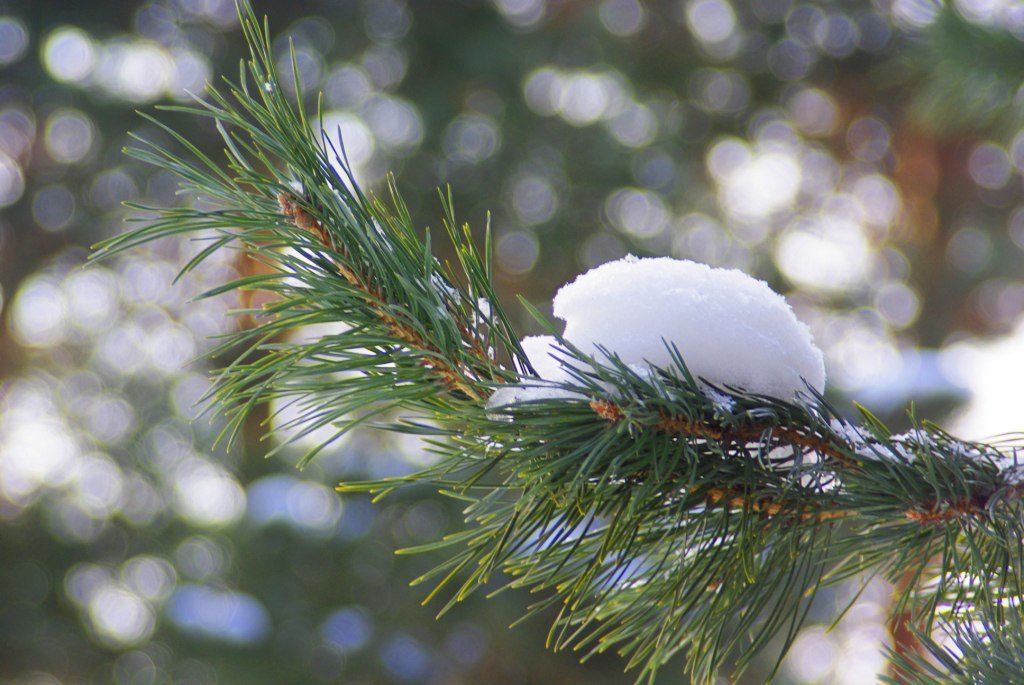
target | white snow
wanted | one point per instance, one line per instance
(848, 432)
(1012, 470)
(730, 328)
(963, 450)
(483, 305)
(542, 351)
(900, 449)
(447, 292)
(723, 403)
(526, 392)
(545, 356)
(903, 446)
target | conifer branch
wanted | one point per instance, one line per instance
(451, 378)
(694, 429)
(653, 516)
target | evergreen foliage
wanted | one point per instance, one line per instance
(982, 651)
(652, 517)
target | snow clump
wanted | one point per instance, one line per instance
(731, 329)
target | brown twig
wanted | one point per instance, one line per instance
(703, 431)
(901, 628)
(374, 297)
(733, 498)
(769, 506)
(936, 512)
(943, 512)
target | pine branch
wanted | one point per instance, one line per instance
(454, 379)
(656, 514)
(986, 648)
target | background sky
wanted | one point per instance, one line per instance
(864, 158)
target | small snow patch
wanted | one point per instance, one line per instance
(899, 449)
(849, 433)
(483, 305)
(1011, 468)
(963, 450)
(544, 355)
(723, 403)
(506, 397)
(1014, 475)
(446, 291)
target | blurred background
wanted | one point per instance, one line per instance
(864, 157)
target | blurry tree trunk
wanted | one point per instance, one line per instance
(904, 642)
(256, 422)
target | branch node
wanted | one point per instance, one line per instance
(606, 410)
(944, 512)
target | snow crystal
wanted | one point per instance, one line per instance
(915, 435)
(899, 449)
(848, 432)
(509, 395)
(644, 371)
(483, 305)
(912, 439)
(730, 329)
(1014, 475)
(723, 403)
(542, 351)
(545, 357)
(904, 450)
(905, 446)
(446, 291)
(876, 451)
(964, 450)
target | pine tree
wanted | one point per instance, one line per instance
(655, 517)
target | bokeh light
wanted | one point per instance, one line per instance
(69, 54)
(864, 158)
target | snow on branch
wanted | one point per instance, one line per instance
(666, 472)
(732, 330)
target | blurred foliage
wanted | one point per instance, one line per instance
(863, 157)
